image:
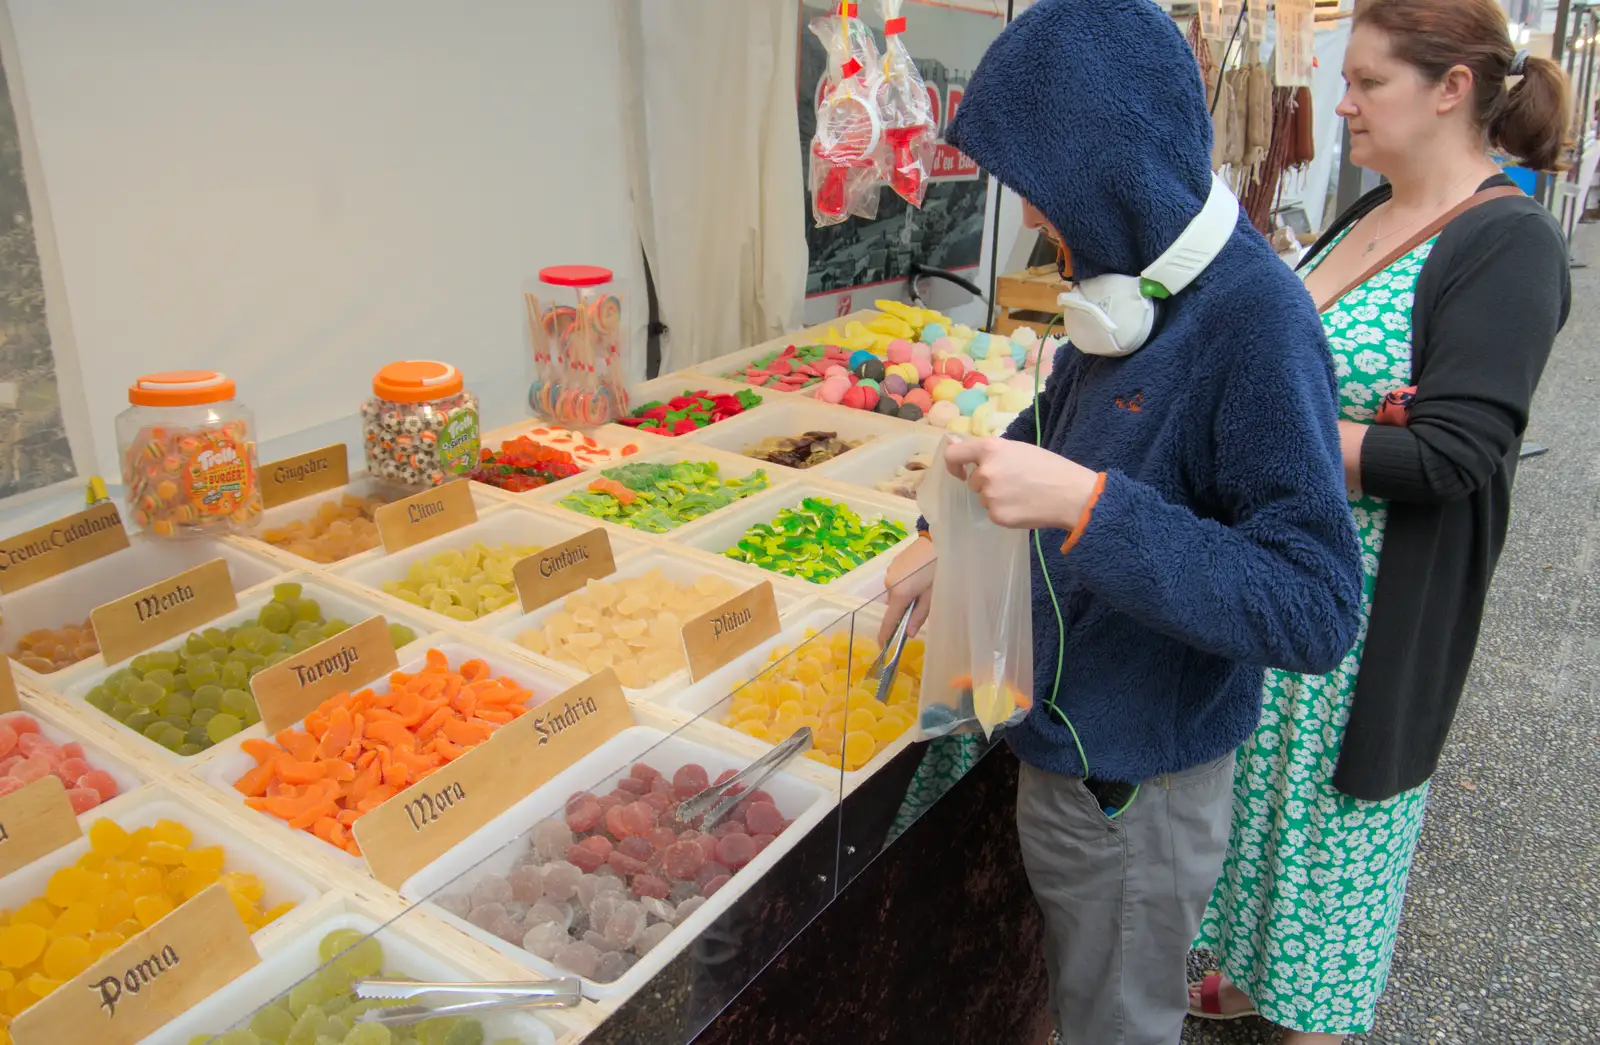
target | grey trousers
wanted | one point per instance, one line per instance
(1122, 898)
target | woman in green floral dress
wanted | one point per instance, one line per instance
(1435, 366)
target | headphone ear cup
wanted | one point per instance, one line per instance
(1136, 318)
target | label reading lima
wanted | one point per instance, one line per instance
(425, 515)
(159, 974)
(164, 610)
(737, 626)
(417, 826)
(302, 475)
(291, 689)
(562, 569)
(57, 547)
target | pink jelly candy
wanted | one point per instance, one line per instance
(83, 799)
(683, 860)
(735, 850)
(690, 780)
(102, 782)
(8, 739)
(763, 818)
(586, 860)
(650, 885)
(712, 886)
(584, 812)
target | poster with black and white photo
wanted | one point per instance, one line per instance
(849, 261)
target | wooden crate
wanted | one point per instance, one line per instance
(1022, 298)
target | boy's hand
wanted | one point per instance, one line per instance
(910, 579)
(1021, 486)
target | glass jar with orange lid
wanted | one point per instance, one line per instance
(188, 455)
(421, 426)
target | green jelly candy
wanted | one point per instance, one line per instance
(285, 592)
(369, 1034)
(466, 1032)
(122, 711)
(145, 694)
(208, 696)
(223, 726)
(238, 1037)
(275, 618)
(140, 720)
(273, 1024)
(400, 635)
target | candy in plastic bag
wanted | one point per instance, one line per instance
(909, 130)
(978, 670)
(847, 152)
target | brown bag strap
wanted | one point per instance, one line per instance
(1476, 200)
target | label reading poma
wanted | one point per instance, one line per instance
(57, 547)
(135, 979)
(426, 808)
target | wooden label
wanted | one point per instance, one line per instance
(316, 471)
(57, 547)
(35, 820)
(561, 569)
(421, 823)
(737, 626)
(8, 688)
(155, 977)
(291, 689)
(164, 610)
(425, 515)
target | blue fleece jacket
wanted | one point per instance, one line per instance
(1222, 541)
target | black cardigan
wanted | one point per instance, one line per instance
(1489, 303)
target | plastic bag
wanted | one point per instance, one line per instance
(847, 151)
(978, 670)
(909, 130)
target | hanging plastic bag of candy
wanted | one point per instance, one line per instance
(978, 670)
(847, 151)
(909, 130)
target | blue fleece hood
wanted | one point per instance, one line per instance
(1093, 111)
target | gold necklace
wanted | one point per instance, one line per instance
(1376, 239)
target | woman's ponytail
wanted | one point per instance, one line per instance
(1531, 123)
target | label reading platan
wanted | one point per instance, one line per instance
(57, 547)
(164, 610)
(562, 569)
(34, 820)
(302, 475)
(156, 976)
(417, 826)
(735, 627)
(293, 688)
(425, 515)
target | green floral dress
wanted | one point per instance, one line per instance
(1305, 915)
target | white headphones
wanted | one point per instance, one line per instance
(1114, 315)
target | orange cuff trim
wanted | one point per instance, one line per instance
(1083, 520)
(925, 535)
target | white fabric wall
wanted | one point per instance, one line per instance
(713, 132)
(299, 192)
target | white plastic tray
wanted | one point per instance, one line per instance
(677, 567)
(96, 753)
(334, 602)
(493, 847)
(878, 462)
(296, 958)
(719, 532)
(792, 417)
(67, 598)
(707, 700)
(281, 882)
(228, 761)
(501, 526)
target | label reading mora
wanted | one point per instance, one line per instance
(417, 826)
(163, 610)
(57, 547)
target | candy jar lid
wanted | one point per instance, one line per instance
(181, 388)
(416, 381)
(575, 275)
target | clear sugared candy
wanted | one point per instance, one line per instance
(608, 880)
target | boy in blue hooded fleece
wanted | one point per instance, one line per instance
(1188, 501)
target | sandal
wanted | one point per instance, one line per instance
(1211, 1001)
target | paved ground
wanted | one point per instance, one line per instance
(1501, 938)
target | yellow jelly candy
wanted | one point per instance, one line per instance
(104, 943)
(107, 838)
(144, 881)
(67, 886)
(21, 944)
(40, 985)
(165, 853)
(118, 908)
(66, 957)
(858, 749)
(277, 911)
(151, 909)
(19, 998)
(7, 981)
(244, 885)
(888, 728)
(80, 919)
(172, 833)
(860, 718)
(36, 911)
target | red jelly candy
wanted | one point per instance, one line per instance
(584, 812)
(102, 782)
(598, 844)
(22, 724)
(735, 850)
(72, 749)
(71, 769)
(708, 845)
(607, 801)
(648, 774)
(638, 818)
(615, 822)
(649, 885)
(662, 837)
(83, 799)
(660, 802)
(8, 739)
(690, 780)
(763, 818)
(624, 864)
(726, 775)
(683, 860)
(637, 847)
(711, 870)
(712, 886)
(761, 841)
(632, 785)
(586, 860)
(730, 826)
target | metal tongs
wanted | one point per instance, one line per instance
(493, 997)
(718, 800)
(887, 666)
